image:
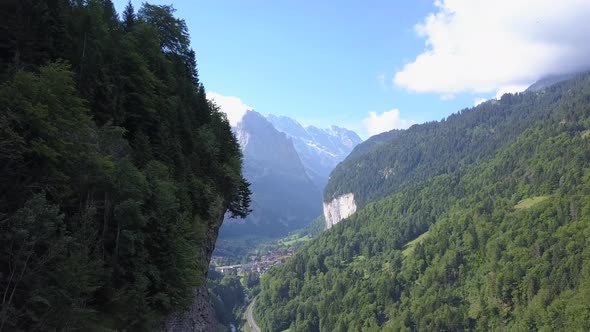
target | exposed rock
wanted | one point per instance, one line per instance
(339, 208)
(200, 316)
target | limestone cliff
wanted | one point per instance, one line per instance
(338, 209)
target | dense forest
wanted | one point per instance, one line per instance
(490, 243)
(373, 142)
(378, 168)
(227, 296)
(115, 170)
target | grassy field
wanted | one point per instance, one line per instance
(409, 247)
(530, 202)
(294, 239)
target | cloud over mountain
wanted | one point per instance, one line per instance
(489, 45)
(386, 121)
(234, 107)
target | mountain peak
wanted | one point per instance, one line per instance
(252, 116)
(320, 149)
(284, 197)
(288, 125)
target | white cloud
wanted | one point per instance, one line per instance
(478, 101)
(482, 45)
(378, 123)
(510, 89)
(234, 107)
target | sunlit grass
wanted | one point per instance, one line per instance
(530, 202)
(293, 239)
(409, 247)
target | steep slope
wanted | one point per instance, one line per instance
(548, 81)
(320, 150)
(115, 171)
(497, 244)
(435, 148)
(373, 142)
(283, 196)
(345, 205)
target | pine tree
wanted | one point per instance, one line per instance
(129, 16)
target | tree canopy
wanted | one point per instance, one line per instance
(115, 170)
(385, 164)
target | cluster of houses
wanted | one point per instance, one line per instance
(257, 265)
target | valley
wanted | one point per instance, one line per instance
(234, 279)
(308, 166)
(442, 222)
(287, 166)
(467, 233)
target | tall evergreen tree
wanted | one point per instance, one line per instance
(129, 16)
(115, 171)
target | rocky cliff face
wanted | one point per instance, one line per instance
(200, 316)
(338, 209)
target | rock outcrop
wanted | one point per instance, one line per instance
(200, 316)
(339, 208)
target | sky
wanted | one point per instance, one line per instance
(373, 66)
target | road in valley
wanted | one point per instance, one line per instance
(251, 321)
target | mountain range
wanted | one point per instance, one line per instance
(288, 166)
(320, 150)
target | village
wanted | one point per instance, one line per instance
(257, 264)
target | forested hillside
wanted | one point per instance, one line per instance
(435, 148)
(498, 243)
(115, 170)
(373, 142)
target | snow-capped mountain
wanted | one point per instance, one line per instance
(320, 150)
(288, 166)
(284, 197)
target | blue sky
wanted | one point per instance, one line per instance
(334, 62)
